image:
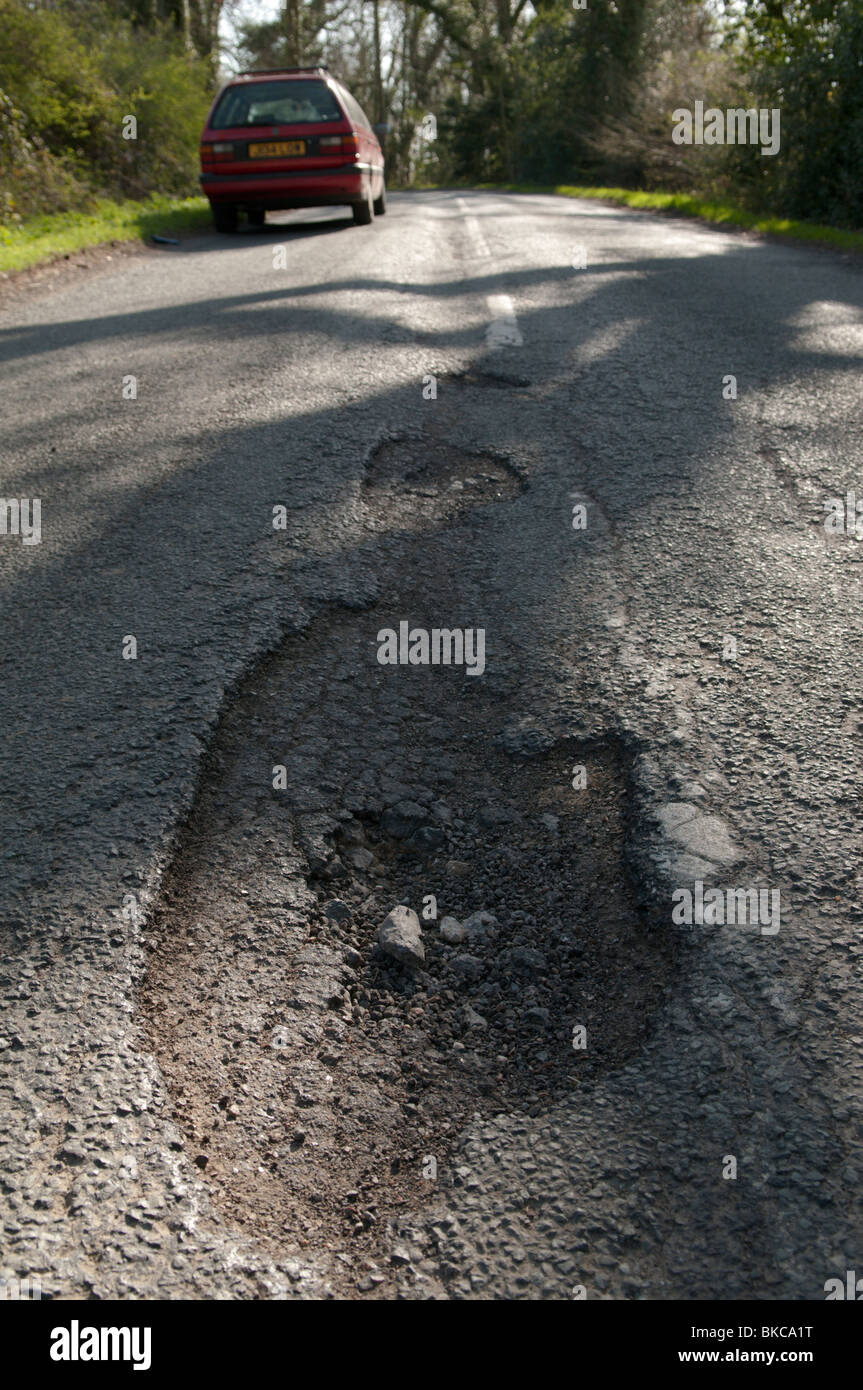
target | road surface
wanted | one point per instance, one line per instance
(496, 412)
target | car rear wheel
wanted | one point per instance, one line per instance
(224, 217)
(364, 212)
(380, 203)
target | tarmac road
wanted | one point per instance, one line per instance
(704, 621)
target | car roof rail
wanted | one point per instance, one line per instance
(272, 72)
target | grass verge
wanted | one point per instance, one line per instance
(56, 234)
(709, 210)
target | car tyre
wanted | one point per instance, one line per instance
(364, 213)
(257, 217)
(224, 217)
(380, 204)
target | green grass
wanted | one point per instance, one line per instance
(57, 234)
(723, 213)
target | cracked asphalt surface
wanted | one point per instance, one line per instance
(703, 623)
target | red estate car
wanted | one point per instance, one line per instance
(289, 138)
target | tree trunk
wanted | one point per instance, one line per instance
(380, 114)
(292, 29)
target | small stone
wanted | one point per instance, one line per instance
(353, 958)
(537, 1018)
(358, 857)
(523, 960)
(399, 936)
(481, 924)
(426, 838)
(550, 822)
(314, 841)
(337, 911)
(467, 967)
(453, 931)
(457, 868)
(471, 1019)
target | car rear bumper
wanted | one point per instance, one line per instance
(300, 188)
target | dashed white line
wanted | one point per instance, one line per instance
(503, 331)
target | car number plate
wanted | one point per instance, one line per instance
(275, 149)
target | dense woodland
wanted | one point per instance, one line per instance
(521, 91)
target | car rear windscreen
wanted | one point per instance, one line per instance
(276, 103)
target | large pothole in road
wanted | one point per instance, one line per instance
(321, 1085)
(426, 481)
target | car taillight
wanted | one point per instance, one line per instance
(220, 150)
(339, 144)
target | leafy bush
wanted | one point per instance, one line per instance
(813, 70)
(69, 78)
(30, 177)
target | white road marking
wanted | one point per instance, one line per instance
(474, 231)
(503, 331)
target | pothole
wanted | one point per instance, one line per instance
(433, 480)
(320, 1085)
